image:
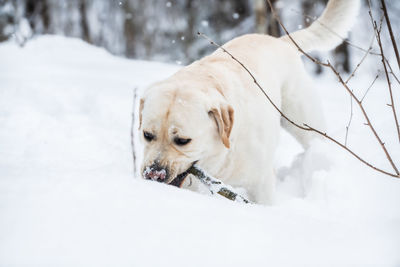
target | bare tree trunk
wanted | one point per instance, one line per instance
(261, 16)
(189, 38)
(342, 57)
(273, 27)
(129, 31)
(84, 23)
(45, 16)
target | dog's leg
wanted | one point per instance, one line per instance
(264, 190)
(301, 103)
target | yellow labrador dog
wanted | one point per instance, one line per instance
(212, 114)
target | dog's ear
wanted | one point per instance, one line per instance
(224, 118)
(140, 112)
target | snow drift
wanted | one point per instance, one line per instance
(68, 196)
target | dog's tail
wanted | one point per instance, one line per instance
(327, 31)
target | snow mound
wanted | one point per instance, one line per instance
(68, 196)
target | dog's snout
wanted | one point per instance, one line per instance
(156, 172)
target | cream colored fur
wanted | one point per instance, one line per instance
(234, 129)
(329, 30)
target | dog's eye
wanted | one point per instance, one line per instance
(148, 136)
(182, 141)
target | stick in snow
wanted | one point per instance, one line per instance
(216, 186)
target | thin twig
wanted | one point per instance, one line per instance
(347, 81)
(367, 52)
(379, 40)
(366, 92)
(389, 26)
(255, 81)
(382, 144)
(328, 65)
(133, 132)
(386, 60)
(350, 120)
(347, 41)
(316, 61)
(314, 19)
(304, 127)
(391, 71)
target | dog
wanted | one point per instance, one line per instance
(211, 113)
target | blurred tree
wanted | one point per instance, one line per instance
(84, 21)
(7, 20)
(273, 27)
(342, 59)
(163, 30)
(264, 19)
(37, 14)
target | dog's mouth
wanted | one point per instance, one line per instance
(180, 178)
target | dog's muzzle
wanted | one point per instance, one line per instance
(156, 173)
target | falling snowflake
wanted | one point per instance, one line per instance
(169, 4)
(204, 23)
(235, 15)
(279, 4)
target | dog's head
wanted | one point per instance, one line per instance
(180, 126)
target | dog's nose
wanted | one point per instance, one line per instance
(156, 173)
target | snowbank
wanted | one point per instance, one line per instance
(68, 196)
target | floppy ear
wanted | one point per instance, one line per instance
(140, 112)
(224, 118)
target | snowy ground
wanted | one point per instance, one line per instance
(68, 196)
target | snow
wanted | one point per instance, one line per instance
(204, 23)
(68, 196)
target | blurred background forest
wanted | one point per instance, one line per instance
(165, 30)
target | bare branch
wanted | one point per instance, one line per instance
(391, 71)
(291, 39)
(306, 127)
(379, 40)
(349, 123)
(367, 119)
(367, 52)
(389, 26)
(361, 61)
(133, 132)
(366, 92)
(329, 65)
(314, 19)
(350, 43)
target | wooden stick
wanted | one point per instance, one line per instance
(217, 186)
